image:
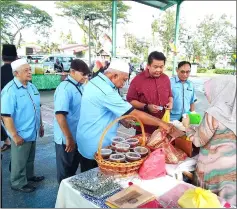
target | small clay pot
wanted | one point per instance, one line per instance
(132, 156)
(133, 142)
(117, 140)
(122, 147)
(106, 153)
(119, 158)
(143, 151)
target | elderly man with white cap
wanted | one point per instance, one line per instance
(100, 105)
(20, 112)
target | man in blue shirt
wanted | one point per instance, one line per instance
(20, 111)
(100, 105)
(183, 92)
(67, 104)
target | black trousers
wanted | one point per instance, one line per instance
(87, 164)
(66, 162)
(3, 134)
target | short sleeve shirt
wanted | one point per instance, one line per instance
(100, 105)
(183, 96)
(67, 101)
(149, 90)
(23, 105)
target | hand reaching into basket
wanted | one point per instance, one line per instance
(126, 123)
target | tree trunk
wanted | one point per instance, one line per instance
(19, 41)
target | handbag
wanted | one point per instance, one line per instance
(187, 146)
(184, 144)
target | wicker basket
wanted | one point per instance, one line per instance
(114, 168)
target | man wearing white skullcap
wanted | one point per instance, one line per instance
(20, 111)
(100, 105)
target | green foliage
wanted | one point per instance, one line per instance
(166, 29)
(214, 34)
(135, 60)
(77, 10)
(225, 71)
(202, 70)
(169, 68)
(137, 46)
(67, 38)
(16, 16)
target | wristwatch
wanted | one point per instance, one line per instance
(145, 108)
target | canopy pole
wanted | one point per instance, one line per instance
(176, 37)
(114, 22)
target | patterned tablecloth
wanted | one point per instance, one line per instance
(47, 81)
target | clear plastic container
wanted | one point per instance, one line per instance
(106, 153)
(133, 142)
(119, 158)
(143, 151)
(132, 156)
(122, 147)
(117, 139)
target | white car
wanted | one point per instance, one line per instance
(49, 61)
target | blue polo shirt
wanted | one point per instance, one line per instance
(67, 101)
(183, 97)
(23, 105)
(100, 105)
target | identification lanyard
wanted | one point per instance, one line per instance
(75, 86)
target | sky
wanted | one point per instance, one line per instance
(140, 16)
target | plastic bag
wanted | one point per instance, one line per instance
(156, 138)
(154, 165)
(166, 116)
(172, 155)
(199, 198)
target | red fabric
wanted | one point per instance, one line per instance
(149, 90)
(151, 204)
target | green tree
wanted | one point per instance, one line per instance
(16, 17)
(77, 10)
(193, 47)
(137, 46)
(214, 33)
(165, 27)
(67, 38)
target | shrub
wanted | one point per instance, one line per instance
(225, 71)
(201, 70)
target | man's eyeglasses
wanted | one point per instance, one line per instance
(185, 72)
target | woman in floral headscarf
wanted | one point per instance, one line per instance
(216, 137)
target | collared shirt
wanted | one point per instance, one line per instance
(183, 97)
(100, 105)
(150, 90)
(67, 101)
(23, 105)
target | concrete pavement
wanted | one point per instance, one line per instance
(45, 163)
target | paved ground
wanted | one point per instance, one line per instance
(45, 195)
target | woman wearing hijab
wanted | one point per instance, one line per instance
(216, 137)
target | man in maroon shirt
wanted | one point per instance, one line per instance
(150, 91)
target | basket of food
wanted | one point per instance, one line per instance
(124, 161)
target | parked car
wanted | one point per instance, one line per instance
(31, 59)
(50, 60)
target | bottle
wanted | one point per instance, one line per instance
(186, 120)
